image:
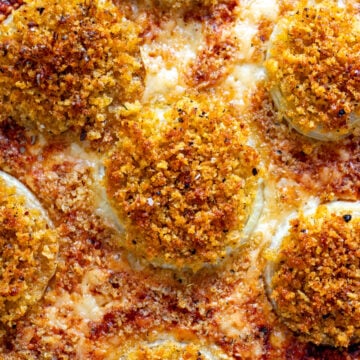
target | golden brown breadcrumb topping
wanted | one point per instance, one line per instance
(184, 189)
(316, 285)
(102, 303)
(6, 7)
(28, 250)
(314, 68)
(67, 65)
(168, 350)
(177, 4)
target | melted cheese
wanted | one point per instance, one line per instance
(167, 57)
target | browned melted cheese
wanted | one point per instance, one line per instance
(217, 58)
(323, 169)
(184, 4)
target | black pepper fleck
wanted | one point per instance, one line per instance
(40, 10)
(83, 135)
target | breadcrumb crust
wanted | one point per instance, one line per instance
(184, 189)
(225, 305)
(316, 285)
(67, 65)
(178, 4)
(168, 350)
(314, 69)
(27, 256)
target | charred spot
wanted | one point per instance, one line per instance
(264, 330)
(83, 135)
(32, 25)
(63, 19)
(114, 282)
(40, 10)
(96, 244)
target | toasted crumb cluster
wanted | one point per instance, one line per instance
(184, 189)
(314, 69)
(316, 287)
(6, 7)
(28, 250)
(177, 4)
(168, 350)
(68, 65)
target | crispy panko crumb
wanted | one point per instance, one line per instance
(184, 189)
(183, 4)
(168, 350)
(27, 256)
(68, 65)
(6, 7)
(316, 286)
(314, 69)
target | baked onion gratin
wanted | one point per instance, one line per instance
(179, 179)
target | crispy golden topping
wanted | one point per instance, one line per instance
(28, 250)
(68, 64)
(314, 69)
(184, 189)
(316, 286)
(168, 350)
(6, 7)
(177, 4)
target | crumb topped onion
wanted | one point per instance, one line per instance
(68, 65)
(183, 4)
(185, 188)
(170, 349)
(313, 66)
(28, 249)
(313, 274)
